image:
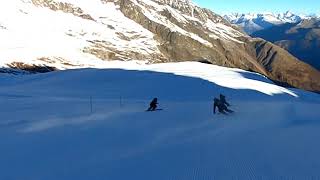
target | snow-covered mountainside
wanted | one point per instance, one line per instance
(70, 33)
(252, 22)
(64, 34)
(48, 130)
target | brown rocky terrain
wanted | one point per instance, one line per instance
(15, 66)
(254, 54)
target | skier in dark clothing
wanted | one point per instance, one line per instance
(153, 104)
(222, 108)
(223, 100)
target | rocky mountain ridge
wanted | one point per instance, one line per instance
(301, 39)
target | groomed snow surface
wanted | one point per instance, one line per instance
(48, 131)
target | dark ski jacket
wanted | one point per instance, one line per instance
(223, 100)
(221, 106)
(154, 102)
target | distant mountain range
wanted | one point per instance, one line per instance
(301, 39)
(252, 22)
(298, 34)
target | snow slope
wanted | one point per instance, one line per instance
(49, 132)
(28, 37)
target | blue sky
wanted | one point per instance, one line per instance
(243, 6)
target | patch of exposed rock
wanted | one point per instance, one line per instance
(29, 68)
(63, 6)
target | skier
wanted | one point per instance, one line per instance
(223, 100)
(222, 108)
(153, 104)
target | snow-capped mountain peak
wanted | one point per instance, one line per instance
(175, 2)
(289, 17)
(251, 22)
